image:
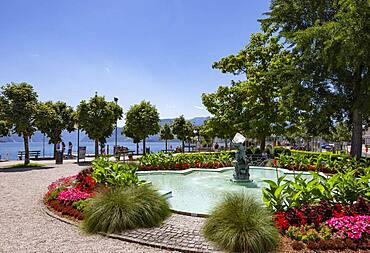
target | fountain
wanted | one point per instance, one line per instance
(241, 172)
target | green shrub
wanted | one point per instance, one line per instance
(241, 224)
(113, 173)
(119, 209)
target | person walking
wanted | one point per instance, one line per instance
(63, 147)
(70, 148)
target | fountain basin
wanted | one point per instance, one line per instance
(197, 191)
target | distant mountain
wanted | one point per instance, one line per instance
(38, 136)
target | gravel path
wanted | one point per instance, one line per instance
(25, 228)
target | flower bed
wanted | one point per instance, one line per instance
(67, 195)
(327, 163)
(162, 161)
(322, 213)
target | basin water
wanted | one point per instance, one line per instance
(198, 192)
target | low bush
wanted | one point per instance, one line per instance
(119, 209)
(114, 174)
(241, 224)
(342, 188)
(170, 161)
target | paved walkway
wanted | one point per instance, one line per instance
(25, 227)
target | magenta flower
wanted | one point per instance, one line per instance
(73, 194)
(352, 227)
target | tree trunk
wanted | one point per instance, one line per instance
(55, 151)
(144, 147)
(356, 140)
(96, 148)
(263, 143)
(166, 145)
(137, 148)
(225, 144)
(27, 150)
(183, 146)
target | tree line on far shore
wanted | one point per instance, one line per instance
(22, 113)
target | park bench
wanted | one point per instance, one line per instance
(33, 154)
(123, 151)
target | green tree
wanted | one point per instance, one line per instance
(20, 110)
(4, 125)
(182, 129)
(218, 128)
(332, 39)
(254, 106)
(166, 133)
(53, 118)
(142, 120)
(97, 118)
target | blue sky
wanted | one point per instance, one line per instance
(159, 50)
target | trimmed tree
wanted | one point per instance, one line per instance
(4, 125)
(53, 118)
(182, 129)
(97, 118)
(166, 133)
(142, 120)
(20, 110)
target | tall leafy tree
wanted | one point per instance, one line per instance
(218, 128)
(182, 129)
(332, 39)
(166, 134)
(53, 118)
(255, 105)
(4, 125)
(20, 108)
(97, 118)
(142, 120)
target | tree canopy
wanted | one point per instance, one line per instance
(142, 120)
(166, 133)
(256, 105)
(183, 129)
(97, 118)
(332, 41)
(19, 111)
(53, 118)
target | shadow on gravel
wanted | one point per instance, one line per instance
(83, 163)
(9, 170)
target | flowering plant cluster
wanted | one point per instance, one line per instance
(307, 233)
(62, 182)
(170, 161)
(73, 188)
(72, 195)
(351, 227)
(318, 214)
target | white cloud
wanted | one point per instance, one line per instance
(107, 69)
(200, 108)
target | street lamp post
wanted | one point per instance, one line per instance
(196, 133)
(78, 143)
(115, 139)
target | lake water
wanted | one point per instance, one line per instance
(9, 150)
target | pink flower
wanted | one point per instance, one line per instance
(352, 227)
(73, 194)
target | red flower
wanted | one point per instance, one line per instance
(280, 222)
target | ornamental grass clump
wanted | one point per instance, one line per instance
(119, 209)
(241, 224)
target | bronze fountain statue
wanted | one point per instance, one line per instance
(241, 172)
